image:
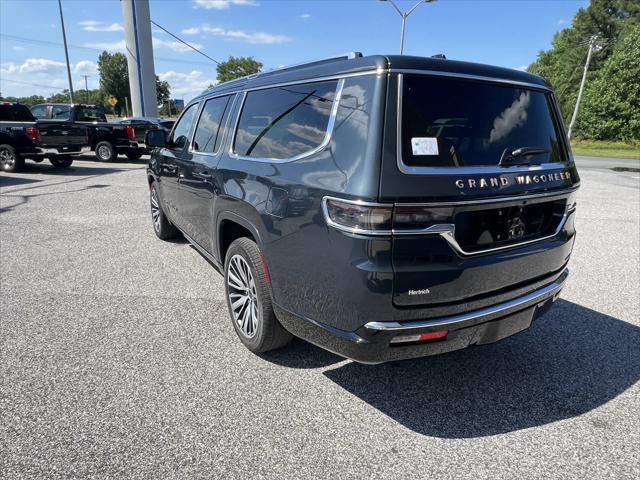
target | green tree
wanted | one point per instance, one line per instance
(163, 91)
(562, 64)
(114, 80)
(611, 105)
(236, 67)
(169, 109)
(28, 101)
(114, 77)
(60, 97)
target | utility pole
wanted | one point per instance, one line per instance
(86, 88)
(404, 16)
(592, 43)
(66, 51)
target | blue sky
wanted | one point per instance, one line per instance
(508, 33)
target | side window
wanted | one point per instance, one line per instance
(60, 112)
(180, 136)
(208, 132)
(286, 121)
(39, 111)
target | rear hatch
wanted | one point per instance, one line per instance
(482, 182)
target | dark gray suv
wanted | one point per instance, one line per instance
(381, 207)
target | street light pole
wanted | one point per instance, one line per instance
(404, 16)
(66, 51)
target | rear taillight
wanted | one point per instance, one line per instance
(382, 219)
(131, 132)
(409, 217)
(358, 216)
(33, 133)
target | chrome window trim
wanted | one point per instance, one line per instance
(225, 126)
(488, 313)
(325, 141)
(240, 89)
(406, 169)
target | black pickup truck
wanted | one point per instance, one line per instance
(107, 140)
(21, 138)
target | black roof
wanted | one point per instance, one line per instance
(344, 65)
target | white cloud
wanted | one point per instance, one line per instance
(562, 22)
(222, 4)
(17, 48)
(522, 68)
(305, 16)
(186, 85)
(86, 67)
(248, 37)
(32, 65)
(96, 26)
(511, 117)
(46, 66)
(43, 76)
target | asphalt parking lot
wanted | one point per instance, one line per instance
(118, 359)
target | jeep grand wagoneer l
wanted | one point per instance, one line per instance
(381, 207)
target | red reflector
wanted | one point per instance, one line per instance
(433, 335)
(131, 133)
(33, 133)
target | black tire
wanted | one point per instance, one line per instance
(106, 152)
(134, 154)
(161, 224)
(10, 160)
(61, 161)
(264, 333)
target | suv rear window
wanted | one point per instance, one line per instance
(456, 122)
(16, 113)
(284, 122)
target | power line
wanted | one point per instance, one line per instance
(31, 84)
(185, 43)
(35, 41)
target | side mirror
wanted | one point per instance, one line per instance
(156, 138)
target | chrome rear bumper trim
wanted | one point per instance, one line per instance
(485, 314)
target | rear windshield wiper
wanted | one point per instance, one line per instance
(510, 157)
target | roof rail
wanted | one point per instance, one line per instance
(334, 58)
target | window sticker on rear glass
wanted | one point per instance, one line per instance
(424, 145)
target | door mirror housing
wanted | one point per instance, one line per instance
(156, 138)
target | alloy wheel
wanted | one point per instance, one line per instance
(7, 159)
(155, 209)
(104, 152)
(243, 296)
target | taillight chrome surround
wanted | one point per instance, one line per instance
(433, 218)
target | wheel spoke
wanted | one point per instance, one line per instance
(234, 281)
(240, 302)
(241, 289)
